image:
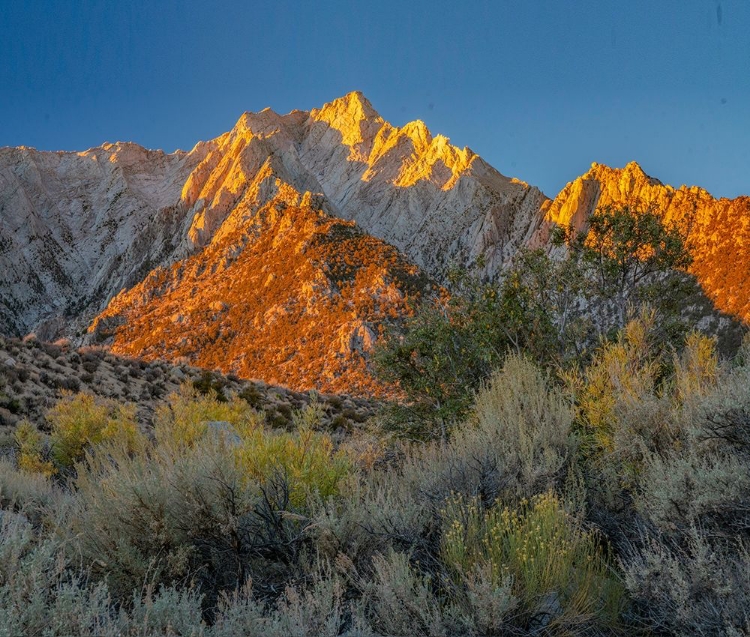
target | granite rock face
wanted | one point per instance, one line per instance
(75, 228)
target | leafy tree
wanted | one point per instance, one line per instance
(453, 343)
(629, 256)
(553, 308)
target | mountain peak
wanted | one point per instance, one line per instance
(354, 118)
(354, 105)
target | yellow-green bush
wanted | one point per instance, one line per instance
(30, 444)
(83, 420)
(539, 548)
(183, 419)
(623, 372)
(307, 459)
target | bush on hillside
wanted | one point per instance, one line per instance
(81, 420)
(549, 569)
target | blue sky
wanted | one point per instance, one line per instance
(539, 88)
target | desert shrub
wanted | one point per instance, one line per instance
(624, 372)
(693, 587)
(213, 509)
(82, 420)
(310, 416)
(307, 459)
(558, 573)
(688, 490)
(721, 417)
(30, 493)
(164, 611)
(317, 610)
(184, 419)
(192, 516)
(43, 591)
(696, 370)
(399, 601)
(252, 396)
(209, 384)
(687, 565)
(373, 514)
(39, 593)
(32, 449)
(517, 442)
(527, 422)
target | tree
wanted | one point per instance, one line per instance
(629, 256)
(451, 344)
(553, 308)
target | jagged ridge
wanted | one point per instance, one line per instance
(717, 231)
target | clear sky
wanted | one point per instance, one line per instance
(539, 88)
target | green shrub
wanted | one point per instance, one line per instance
(183, 420)
(552, 566)
(81, 420)
(696, 586)
(32, 449)
(307, 459)
(398, 601)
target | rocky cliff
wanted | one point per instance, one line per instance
(717, 231)
(436, 203)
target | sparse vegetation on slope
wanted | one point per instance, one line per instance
(34, 374)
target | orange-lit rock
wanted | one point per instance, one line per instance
(717, 230)
(300, 303)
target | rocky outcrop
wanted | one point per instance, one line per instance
(717, 231)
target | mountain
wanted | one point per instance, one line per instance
(292, 296)
(717, 231)
(281, 249)
(77, 228)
